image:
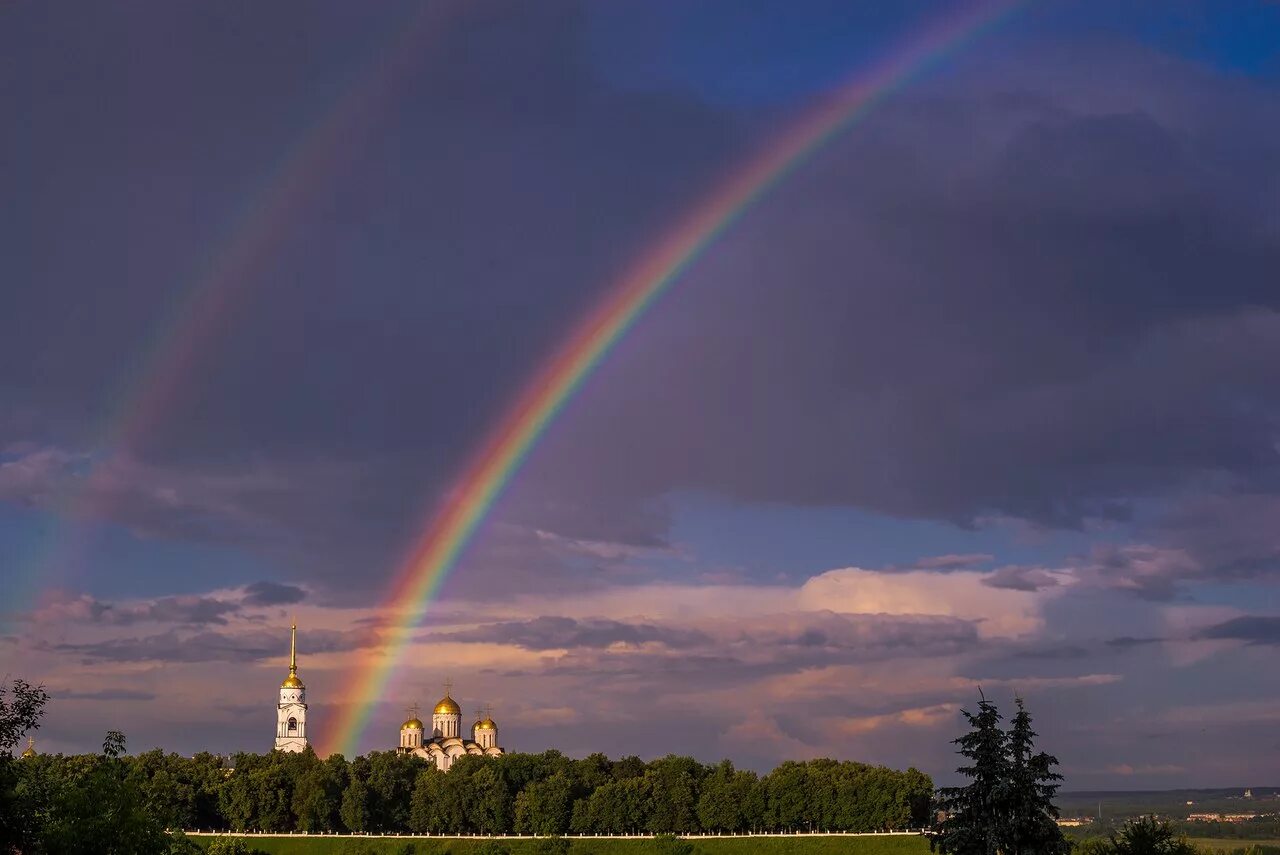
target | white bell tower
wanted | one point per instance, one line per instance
(291, 712)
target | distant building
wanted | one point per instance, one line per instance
(291, 711)
(1075, 821)
(1221, 817)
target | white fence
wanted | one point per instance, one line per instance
(373, 836)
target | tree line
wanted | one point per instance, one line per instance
(544, 794)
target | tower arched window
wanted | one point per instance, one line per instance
(293, 725)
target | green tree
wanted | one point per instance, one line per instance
(490, 807)
(98, 810)
(976, 814)
(673, 787)
(545, 807)
(1149, 836)
(720, 802)
(1032, 826)
(21, 707)
(354, 811)
(786, 797)
(390, 781)
(317, 796)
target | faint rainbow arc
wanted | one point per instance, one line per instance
(147, 392)
(492, 467)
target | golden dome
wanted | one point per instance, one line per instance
(292, 681)
(447, 706)
(487, 724)
(413, 724)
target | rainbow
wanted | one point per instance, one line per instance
(156, 377)
(497, 460)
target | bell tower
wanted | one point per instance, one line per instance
(291, 712)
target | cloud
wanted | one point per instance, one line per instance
(549, 632)
(272, 594)
(103, 695)
(1016, 578)
(954, 562)
(206, 646)
(189, 610)
(999, 612)
(1255, 629)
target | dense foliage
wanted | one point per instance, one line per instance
(1007, 806)
(544, 793)
(1143, 836)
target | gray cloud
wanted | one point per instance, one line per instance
(272, 594)
(1255, 629)
(105, 695)
(1018, 578)
(548, 632)
(173, 646)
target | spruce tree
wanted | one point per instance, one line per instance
(1007, 806)
(1032, 827)
(976, 815)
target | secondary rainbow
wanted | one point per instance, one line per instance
(155, 379)
(497, 460)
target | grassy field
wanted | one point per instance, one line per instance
(1234, 847)
(731, 846)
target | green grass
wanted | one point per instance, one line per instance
(1231, 846)
(729, 846)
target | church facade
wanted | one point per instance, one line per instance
(443, 743)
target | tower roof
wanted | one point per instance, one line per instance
(292, 681)
(447, 705)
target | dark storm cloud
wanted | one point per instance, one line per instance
(175, 646)
(990, 297)
(1254, 629)
(444, 248)
(1017, 578)
(980, 306)
(186, 610)
(771, 641)
(272, 594)
(105, 695)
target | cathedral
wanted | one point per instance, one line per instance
(445, 744)
(441, 747)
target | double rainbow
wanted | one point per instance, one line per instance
(491, 469)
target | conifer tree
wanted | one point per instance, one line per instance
(1007, 807)
(1032, 827)
(976, 815)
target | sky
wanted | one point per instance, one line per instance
(985, 395)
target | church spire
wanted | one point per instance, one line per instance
(292, 681)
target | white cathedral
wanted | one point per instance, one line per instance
(442, 747)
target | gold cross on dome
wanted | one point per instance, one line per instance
(448, 686)
(413, 710)
(488, 710)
